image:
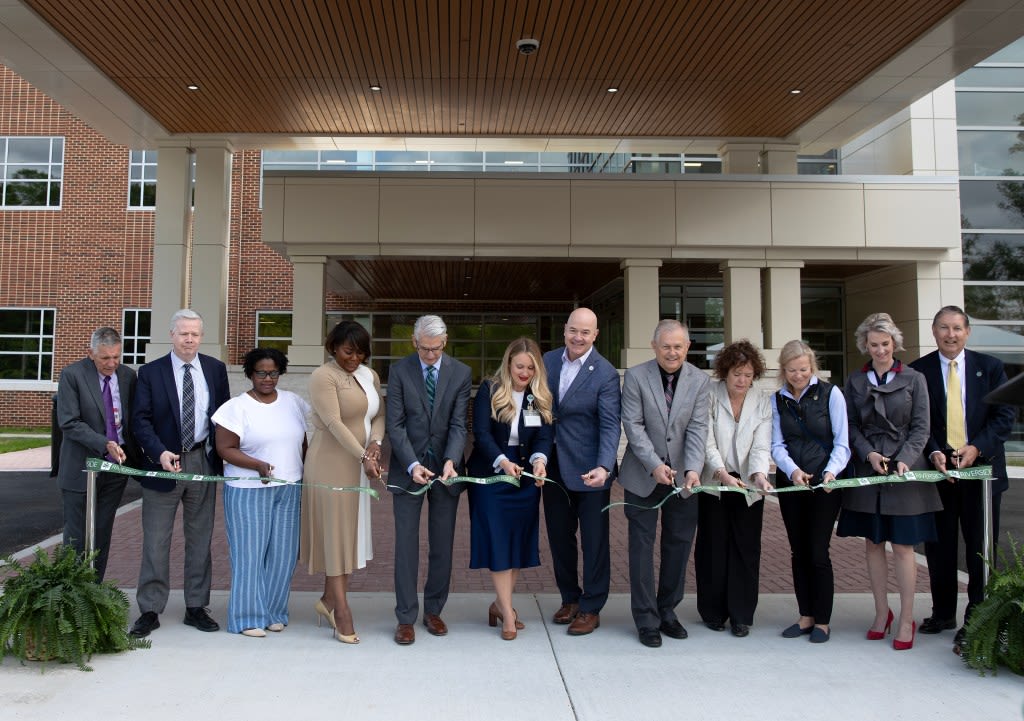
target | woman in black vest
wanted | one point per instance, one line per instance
(810, 446)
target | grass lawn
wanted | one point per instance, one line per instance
(25, 430)
(19, 444)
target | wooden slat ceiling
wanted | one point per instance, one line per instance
(694, 68)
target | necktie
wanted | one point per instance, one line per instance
(669, 391)
(188, 409)
(108, 408)
(956, 435)
(431, 385)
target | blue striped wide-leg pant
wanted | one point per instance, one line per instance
(263, 538)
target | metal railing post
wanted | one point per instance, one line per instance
(90, 512)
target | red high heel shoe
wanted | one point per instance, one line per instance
(879, 635)
(904, 645)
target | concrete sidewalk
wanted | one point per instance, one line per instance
(545, 674)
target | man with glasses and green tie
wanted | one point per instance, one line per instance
(965, 431)
(427, 401)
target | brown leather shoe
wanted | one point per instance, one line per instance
(584, 623)
(566, 613)
(435, 626)
(405, 634)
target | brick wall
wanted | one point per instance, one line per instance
(93, 257)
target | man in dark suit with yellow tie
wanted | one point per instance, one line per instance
(94, 400)
(965, 431)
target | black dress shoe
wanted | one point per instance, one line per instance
(673, 629)
(739, 630)
(650, 637)
(936, 625)
(959, 641)
(715, 625)
(197, 617)
(147, 623)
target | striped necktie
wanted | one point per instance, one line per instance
(188, 409)
(956, 434)
(669, 391)
(431, 385)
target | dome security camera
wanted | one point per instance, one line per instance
(527, 46)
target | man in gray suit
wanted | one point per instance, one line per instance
(427, 400)
(94, 400)
(665, 417)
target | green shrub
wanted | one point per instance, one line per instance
(54, 609)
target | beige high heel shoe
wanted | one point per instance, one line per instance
(351, 638)
(323, 612)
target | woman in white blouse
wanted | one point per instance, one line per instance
(261, 434)
(727, 556)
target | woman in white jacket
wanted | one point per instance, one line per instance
(728, 551)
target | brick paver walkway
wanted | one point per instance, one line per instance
(847, 557)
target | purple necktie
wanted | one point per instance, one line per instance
(669, 391)
(108, 407)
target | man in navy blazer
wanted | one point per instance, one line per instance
(586, 394)
(987, 427)
(428, 441)
(91, 431)
(171, 440)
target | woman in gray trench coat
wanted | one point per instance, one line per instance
(887, 403)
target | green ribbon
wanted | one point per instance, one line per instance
(977, 473)
(489, 480)
(98, 464)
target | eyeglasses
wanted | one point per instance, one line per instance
(266, 374)
(425, 349)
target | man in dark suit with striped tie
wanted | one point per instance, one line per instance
(427, 403)
(176, 397)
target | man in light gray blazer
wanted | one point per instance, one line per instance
(85, 390)
(427, 401)
(665, 417)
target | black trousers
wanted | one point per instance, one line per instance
(810, 519)
(727, 557)
(962, 504)
(109, 489)
(678, 524)
(565, 512)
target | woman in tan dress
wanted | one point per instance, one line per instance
(348, 425)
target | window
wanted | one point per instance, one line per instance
(26, 343)
(274, 329)
(135, 334)
(31, 169)
(142, 180)
(477, 339)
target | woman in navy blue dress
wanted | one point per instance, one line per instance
(511, 430)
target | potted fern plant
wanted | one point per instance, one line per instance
(55, 609)
(995, 631)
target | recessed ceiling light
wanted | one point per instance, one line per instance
(613, 90)
(376, 88)
(692, 164)
(795, 91)
(513, 162)
(192, 86)
(424, 162)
